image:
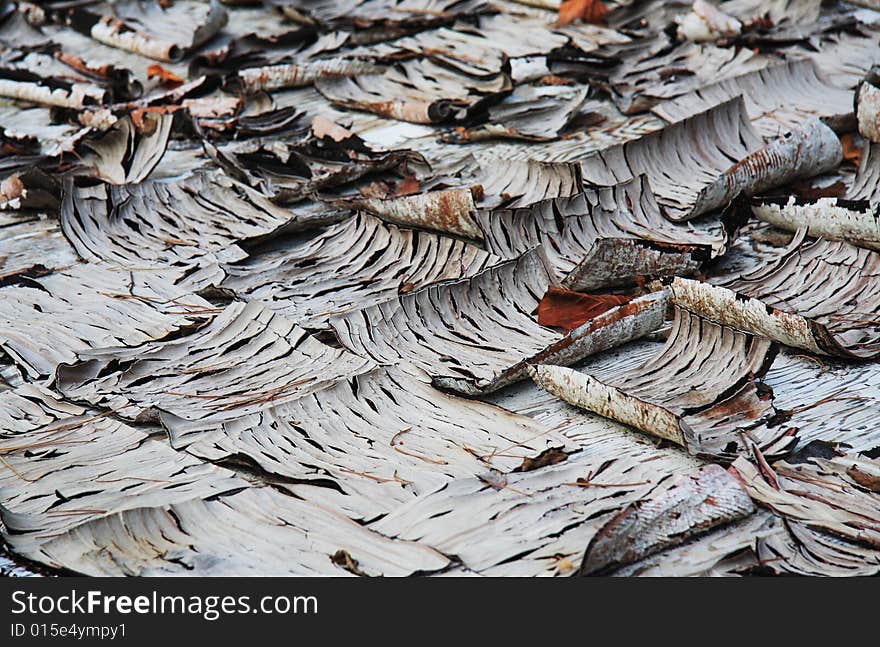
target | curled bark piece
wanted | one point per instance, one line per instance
(479, 334)
(777, 98)
(164, 34)
(353, 265)
(686, 162)
(450, 211)
(605, 237)
(710, 403)
(854, 221)
(809, 150)
(75, 96)
(245, 359)
(822, 296)
(530, 113)
(417, 91)
(696, 503)
(706, 22)
(128, 153)
(830, 513)
(868, 111)
(290, 75)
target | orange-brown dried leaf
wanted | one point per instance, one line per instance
(168, 78)
(567, 309)
(407, 186)
(852, 152)
(590, 11)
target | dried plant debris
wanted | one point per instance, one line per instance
(696, 503)
(829, 507)
(132, 148)
(479, 334)
(190, 226)
(291, 169)
(89, 306)
(352, 265)
(519, 183)
(418, 91)
(778, 98)
(535, 113)
(823, 297)
(90, 494)
(377, 441)
(150, 29)
(605, 237)
(253, 254)
(246, 358)
(700, 391)
(716, 155)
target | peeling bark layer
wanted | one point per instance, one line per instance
(698, 502)
(479, 334)
(601, 238)
(777, 98)
(246, 359)
(352, 265)
(189, 227)
(712, 405)
(821, 296)
(829, 508)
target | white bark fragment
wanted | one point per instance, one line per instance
(706, 22)
(825, 218)
(868, 111)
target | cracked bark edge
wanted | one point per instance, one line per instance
(698, 502)
(730, 308)
(855, 222)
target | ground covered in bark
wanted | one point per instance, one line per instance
(439, 287)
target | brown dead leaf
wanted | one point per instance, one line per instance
(868, 481)
(567, 309)
(852, 152)
(168, 79)
(589, 11)
(552, 79)
(407, 186)
(345, 560)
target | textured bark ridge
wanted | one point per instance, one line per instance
(246, 358)
(699, 392)
(777, 98)
(478, 334)
(821, 296)
(697, 503)
(273, 276)
(190, 227)
(829, 506)
(353, 265)
(604, 237)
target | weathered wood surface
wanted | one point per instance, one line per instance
(273, 280)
